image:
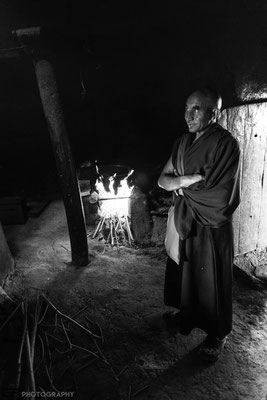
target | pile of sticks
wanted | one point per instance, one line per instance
(40, 340)
(115, 229)
(50, 357)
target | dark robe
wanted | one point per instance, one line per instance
(201, 286)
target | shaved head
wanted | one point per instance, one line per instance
(202, 109)
(211, 97)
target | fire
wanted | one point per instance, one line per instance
(114, 202)
(114, 224)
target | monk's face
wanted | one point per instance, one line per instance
(198, 112)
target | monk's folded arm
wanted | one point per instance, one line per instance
(169, 180)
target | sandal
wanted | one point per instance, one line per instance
(211, 348)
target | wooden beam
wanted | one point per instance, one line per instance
(53, 112)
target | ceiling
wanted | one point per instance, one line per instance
(124, 68)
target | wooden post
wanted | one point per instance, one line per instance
(7, 263)
(67, 173)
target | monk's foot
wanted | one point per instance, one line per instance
(211, 348)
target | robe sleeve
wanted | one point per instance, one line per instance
(213, 201)
(175, 150)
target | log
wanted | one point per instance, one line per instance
(53, 112)
(141, 223)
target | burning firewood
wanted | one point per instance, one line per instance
(114, 223)
(116, 230)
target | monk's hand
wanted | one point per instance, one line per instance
(189, 180)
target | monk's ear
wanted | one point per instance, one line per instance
(216, 114)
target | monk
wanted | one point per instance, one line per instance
(203, 174)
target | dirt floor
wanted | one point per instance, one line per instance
(116, 293)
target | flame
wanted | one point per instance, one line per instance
(114, 203)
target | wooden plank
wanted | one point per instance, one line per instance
(260, 129)
(248, 124)
(232, 120)
(253, 161)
